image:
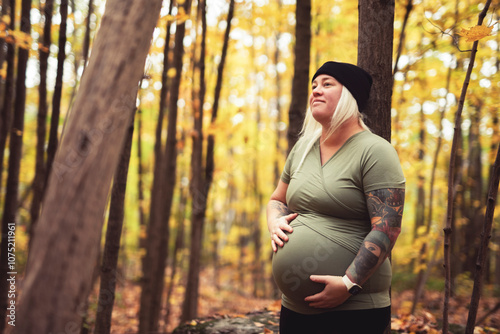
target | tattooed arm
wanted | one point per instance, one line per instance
(279, 216)
(385, 207)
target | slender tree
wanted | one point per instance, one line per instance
(64, 247)
(56, 98)
(451, 177)
(140, 171)
(158, 229)
(86, 39)
(9, 220)
(483, 249)
(40, 165)
(402, 36)
(8, 90)
(202, 176)
(300, 83)
(113, 236)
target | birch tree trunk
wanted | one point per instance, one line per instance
(64, 247)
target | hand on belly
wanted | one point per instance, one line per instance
(307, 253)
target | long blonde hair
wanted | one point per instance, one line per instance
(346, 109)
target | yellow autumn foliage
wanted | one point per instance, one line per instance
(475, 33)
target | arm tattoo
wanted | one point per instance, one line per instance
(385, 207)
(281, 207)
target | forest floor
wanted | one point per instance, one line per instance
(226, 302)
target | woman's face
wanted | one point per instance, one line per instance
(325, 95)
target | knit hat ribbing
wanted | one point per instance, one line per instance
(354, 78)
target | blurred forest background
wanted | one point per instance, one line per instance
(200, 173)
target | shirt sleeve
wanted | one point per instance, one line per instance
(382, 168)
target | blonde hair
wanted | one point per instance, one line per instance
(346, 109)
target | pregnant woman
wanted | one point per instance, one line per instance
(336, 213)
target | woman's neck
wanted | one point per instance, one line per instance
(340, 136)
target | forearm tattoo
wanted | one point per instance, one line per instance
(385, 207)
(280, 207)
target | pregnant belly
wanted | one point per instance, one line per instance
(307, 253)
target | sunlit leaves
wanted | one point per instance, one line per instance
(22, 39)
(475, 33)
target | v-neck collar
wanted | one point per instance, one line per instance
(318, 148)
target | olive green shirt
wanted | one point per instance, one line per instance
(333, 219)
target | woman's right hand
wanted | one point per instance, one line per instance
(278, 227)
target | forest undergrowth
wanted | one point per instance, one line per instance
(229, 301)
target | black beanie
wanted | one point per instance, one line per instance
(354, 78)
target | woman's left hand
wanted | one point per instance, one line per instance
(334, 293)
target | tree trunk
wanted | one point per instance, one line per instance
(200, 185)
(451, 178)
(113, 236)
(158, 229)
(474, 189)
(8, 98)
(40, 171)
(86, 39)
(409, 8)
(420, 206)
(56, 98)
(140, 173)
(375, 44)
(7, 256)
(483, 249)
(300, 83)
(178, 246)
(64, 248)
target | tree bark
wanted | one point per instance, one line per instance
(202, 177)
(300, 83)
(7, 265)
(451, 178)
(375, 44)
(64, 247)
(8, 98)
(40, 171)
(113, 236)
(178, 246)
(140, 173)
(158, 229)
(56, 98)
(197, 185)
(86, 39)
(420, 205)
(409, 8)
